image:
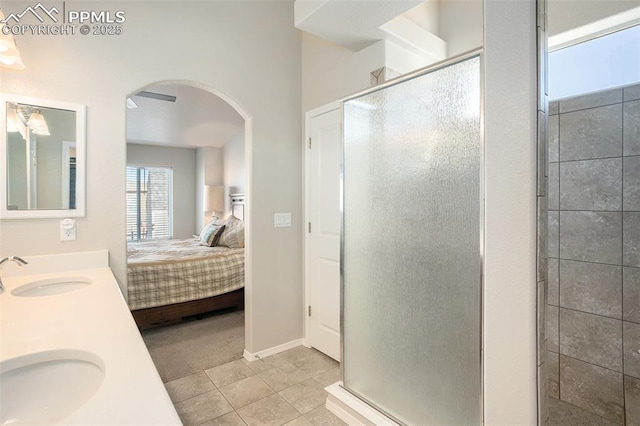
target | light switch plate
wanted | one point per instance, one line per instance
(282, 220)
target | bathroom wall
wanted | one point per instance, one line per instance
(246, 50)
(593, 317)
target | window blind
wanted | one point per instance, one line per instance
(149, 203)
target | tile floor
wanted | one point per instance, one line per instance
(286, 388)
(211, 384)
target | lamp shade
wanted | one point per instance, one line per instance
(9, 54)
(213, 198)
(12, 120)
(38, 124)
(36, 120)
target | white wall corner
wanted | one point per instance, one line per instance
(271, 351)
(303, 9)
(415, 39)
(405, 60)
(374, 55)
(388, 60)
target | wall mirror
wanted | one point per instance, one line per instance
(42, 158)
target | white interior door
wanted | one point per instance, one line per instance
(323, 161)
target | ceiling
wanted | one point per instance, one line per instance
(196, 119)
(352, 24)
(199, 118)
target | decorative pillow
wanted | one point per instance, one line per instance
(209, 233)
(206, 232)
(216, 236)
(233, 235)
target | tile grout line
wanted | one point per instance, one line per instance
(274, 392)
(218, 389)
(590, 412)
(591, 363)
(589, 313)
(594, 158)
(622, 101)
(595, 263)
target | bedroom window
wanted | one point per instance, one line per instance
(149, 203)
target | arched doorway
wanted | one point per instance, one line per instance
(195, 136)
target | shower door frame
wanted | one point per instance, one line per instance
(479, 53)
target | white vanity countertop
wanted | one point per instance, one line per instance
(95, 319)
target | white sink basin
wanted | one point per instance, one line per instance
(46, 387)
(51, 286)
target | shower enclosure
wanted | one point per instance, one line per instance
(412, 245)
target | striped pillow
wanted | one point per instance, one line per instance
(211, 234)
(233, 235)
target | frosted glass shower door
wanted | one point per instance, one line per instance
(411, 247)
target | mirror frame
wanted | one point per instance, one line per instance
(81, 132)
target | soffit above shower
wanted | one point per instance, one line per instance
(356, 25)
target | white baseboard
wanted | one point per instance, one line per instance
(271, 351)
(352, 410)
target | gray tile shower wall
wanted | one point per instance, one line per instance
(591, 184)
(631, 294)
(591, 236)
(631, 187)
(592, 388)
(632, 400)
(591, 338)
(631, 128)
(593, 316)
(631, 240)
(591, 287)
(591, 133)
(631, 332)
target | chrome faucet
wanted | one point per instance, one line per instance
(15, 259)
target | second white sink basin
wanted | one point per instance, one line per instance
(46, 387)
(51, 286)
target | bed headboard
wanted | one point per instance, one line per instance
(237, 205)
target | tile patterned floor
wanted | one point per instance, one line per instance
(286, 388)
(564, 414)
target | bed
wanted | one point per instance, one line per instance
(171, 279)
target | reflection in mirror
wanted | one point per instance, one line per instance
(38, 154)
(44, 145)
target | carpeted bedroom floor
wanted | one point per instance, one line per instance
(195, 345)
